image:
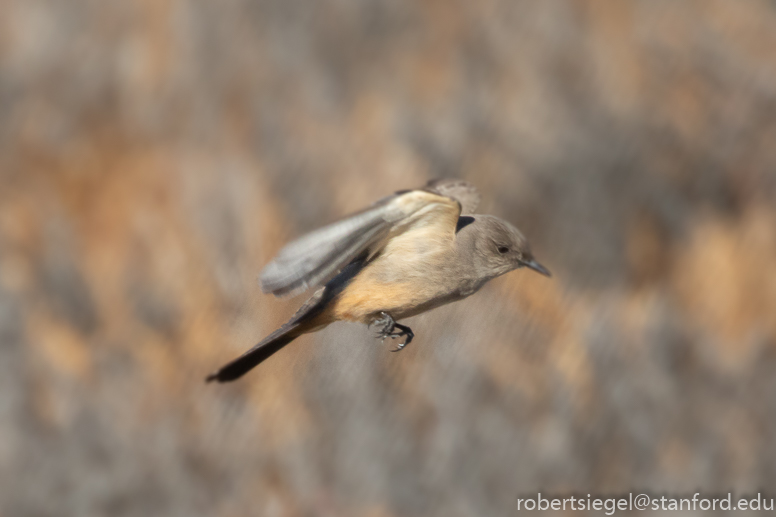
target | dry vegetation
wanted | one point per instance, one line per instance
(154, 155)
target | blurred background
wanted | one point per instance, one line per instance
(155, 155)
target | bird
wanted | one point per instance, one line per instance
(406, 254)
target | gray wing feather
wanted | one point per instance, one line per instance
(465, 193)
(315, 258)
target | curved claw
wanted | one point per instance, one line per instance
(404, 331)
(389, 328)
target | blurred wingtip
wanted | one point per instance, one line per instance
(460, 190)
(282, 289)
(272, 282)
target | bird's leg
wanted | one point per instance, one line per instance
(387, 328)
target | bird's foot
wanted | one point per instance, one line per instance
(387, 327)
(403, 331)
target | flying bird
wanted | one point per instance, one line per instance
(406, 254)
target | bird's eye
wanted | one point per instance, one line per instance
(503, 249)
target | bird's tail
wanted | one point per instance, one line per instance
(250, 359)
(311, 316)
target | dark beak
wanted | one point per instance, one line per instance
(536, 267)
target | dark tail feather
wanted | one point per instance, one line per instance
(250, 359)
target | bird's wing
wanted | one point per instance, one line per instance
(315, 258)
(465, 193)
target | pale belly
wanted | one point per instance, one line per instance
(401, 295)
(415, 272)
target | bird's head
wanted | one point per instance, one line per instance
(500, 248)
